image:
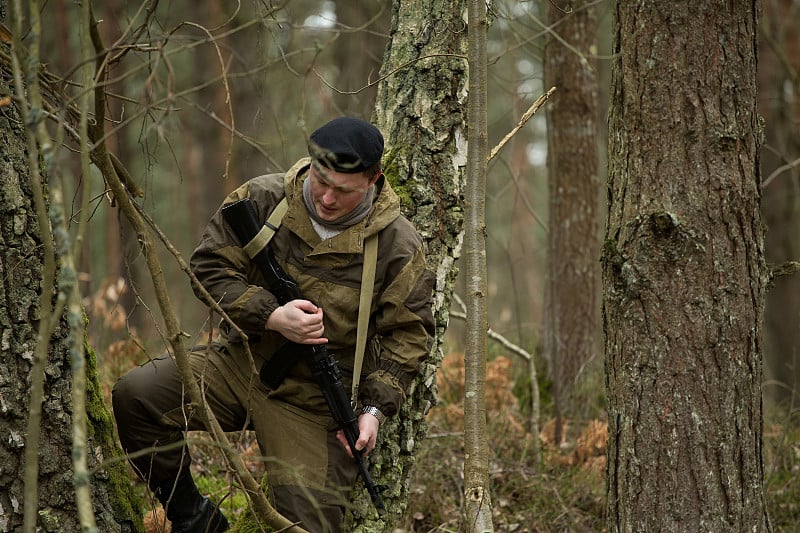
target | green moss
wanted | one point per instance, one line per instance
(246, 524)
(610, 253)
(234, 503)
(102, 425)
(126, 501)
(391, 170)
(49, 520)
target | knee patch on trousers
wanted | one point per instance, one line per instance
(317, 511)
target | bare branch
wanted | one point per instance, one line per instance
(175, 337)
(507, 344)
(778, 171)
(784, 269)
(401, 68)
(228, 99)
(525, 118)
(532, 373)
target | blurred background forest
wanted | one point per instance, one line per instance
(228, 91)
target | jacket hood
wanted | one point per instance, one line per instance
(385, 208)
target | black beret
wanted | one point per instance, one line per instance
(347, 145)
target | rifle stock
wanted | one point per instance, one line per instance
(241, 216)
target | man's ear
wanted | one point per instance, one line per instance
(375, 178)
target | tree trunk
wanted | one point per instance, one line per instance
(779, 104)
(477, 493)
(573, 274)
(684, 271)
(420, 109)
(355, 97)
(21, 265)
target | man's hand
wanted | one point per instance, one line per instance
(367, 434)
(299, 321)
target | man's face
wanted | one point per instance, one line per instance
(334, 193)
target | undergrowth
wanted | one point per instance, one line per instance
(563, 492)
(782, 469)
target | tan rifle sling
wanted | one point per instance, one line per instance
(267, 231)
(364, 307)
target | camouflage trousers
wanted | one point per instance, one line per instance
(309, 472)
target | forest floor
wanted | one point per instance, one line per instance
(566, 491)
(563, 492)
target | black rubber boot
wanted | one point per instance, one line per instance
(189, 511)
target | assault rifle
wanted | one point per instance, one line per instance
(241, 216)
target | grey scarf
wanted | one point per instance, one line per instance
(340, 224)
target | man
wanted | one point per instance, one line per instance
(336, 200)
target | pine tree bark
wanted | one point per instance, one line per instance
(684, 271)
(21, 266)
(573, 239)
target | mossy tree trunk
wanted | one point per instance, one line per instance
(421, 109)
(684, 271)
(21, 267)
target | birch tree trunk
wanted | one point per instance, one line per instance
(683, 271)
(420, 109)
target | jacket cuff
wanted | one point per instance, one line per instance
(251, 311)
(382, 390)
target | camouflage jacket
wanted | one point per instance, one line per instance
(329, 274)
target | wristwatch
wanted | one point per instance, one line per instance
(374, 411)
